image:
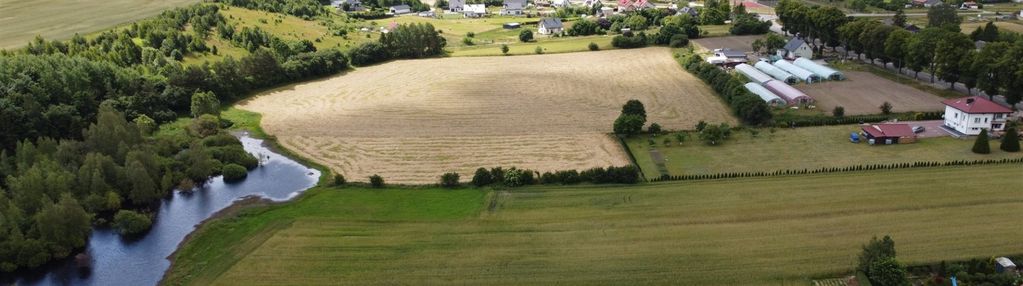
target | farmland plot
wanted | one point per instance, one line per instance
(410, 121)
(863, 93)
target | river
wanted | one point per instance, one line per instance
(116, 261)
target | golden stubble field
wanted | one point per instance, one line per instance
(410, 121)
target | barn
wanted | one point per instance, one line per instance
(776, 72)
(753, 73)
(768, 96)
(799, 72)
(818, 69)
(889, 133)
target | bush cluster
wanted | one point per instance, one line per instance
(514, 177)
(747, 106)
(130, 223)
(629, 42)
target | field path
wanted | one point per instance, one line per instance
(412, 120)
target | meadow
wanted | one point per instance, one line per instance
(760, 231)
(23, 20)
(410, 121)
(795, 149)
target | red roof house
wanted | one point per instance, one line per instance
(976, 105)
(971, 115)
(889, 133)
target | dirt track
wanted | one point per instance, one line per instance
(410, 121)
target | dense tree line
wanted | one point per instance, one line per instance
(940, 49)
(514, 177)
(407, 41)
(307, 9)
(747, 106)
(53, 190)
(745, 23)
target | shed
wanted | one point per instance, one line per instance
(801, 73)
(818, 69)
(889, 133)
(752, 73)
(776, 72)
(787, 92)
(1003, 265)
(766, 95)
(512, 25)
(400, 9)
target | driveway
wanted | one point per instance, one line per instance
(932, 128)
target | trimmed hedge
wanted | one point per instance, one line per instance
(921, 164)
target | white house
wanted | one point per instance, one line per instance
(968, 115)
(513, 7)
(347, 5)
(400, 9)
(560, 3)
(796, 48)
(456, 6)
(474, 10)
(606, 12)
(634, 5)
(549, 26)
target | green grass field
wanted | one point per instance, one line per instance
(549, 45)
(796, 149)
(23, 20)
(762, 231)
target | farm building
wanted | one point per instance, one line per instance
(474, 10)
(776, 72)
(549, 26)
(456, 6)
(796, 48)
(752, 73)
(766, 95)
(634, 5)
(890, 133)
(787, 92)
(727, 57)
(400, 9)
(818, 69)
(801, 73)
(969, 115)
(1004, 264)
(513, 7)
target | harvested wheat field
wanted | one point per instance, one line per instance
(863, 93)
(409, 121)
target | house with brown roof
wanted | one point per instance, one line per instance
(969, 115)
(888, 133)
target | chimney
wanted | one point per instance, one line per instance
(969, 101)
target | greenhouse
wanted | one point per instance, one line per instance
(799, 72)
(766, 95)
(776, 72)
(753, 73)
(787, 92)
(818, 69)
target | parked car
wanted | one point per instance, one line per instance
(918, 129)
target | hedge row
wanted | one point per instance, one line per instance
(922, 164)
(747, 106)
(514, 177)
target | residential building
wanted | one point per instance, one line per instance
(889, 133)
(474, 10)
(634, 5)
(969, 115)
(456, 6)
(400, 9)
(548, 26)
(513, 7)
(796, 48)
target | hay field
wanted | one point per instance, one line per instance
(22, 20)
(863, 93)
(411, 121)
(764, 231)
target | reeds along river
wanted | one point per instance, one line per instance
(113, 260)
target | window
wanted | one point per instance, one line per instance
(957, 115)
(976, 120)
(985, 119)
(996, 126)
(999, 116)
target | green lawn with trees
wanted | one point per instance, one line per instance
(773, 149)
(761, 231)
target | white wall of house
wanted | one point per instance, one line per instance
(971, 124)
(803, 51)
(546, 31)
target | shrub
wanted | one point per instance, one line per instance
(714, 134)
(678, 41)
(538, 50)
(584, 28)
(981, 146)
(467, 41)
(339, 179)
(129, 223)
(376, 181)
(518, 177)
(593, 46)
(526, 36)
(497, 175)
(504, 49)
(368, 53)
(626, 42)
(449, 180)
(1010, 141)
(839, 111)
(204, 126)
(482, 178)
(628, 124)
(654, 128)
(886, 108)
(234, 172)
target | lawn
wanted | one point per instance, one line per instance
(23, 20)
(762, 231)
(796, 149)
(969, 27)
(549, 45)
